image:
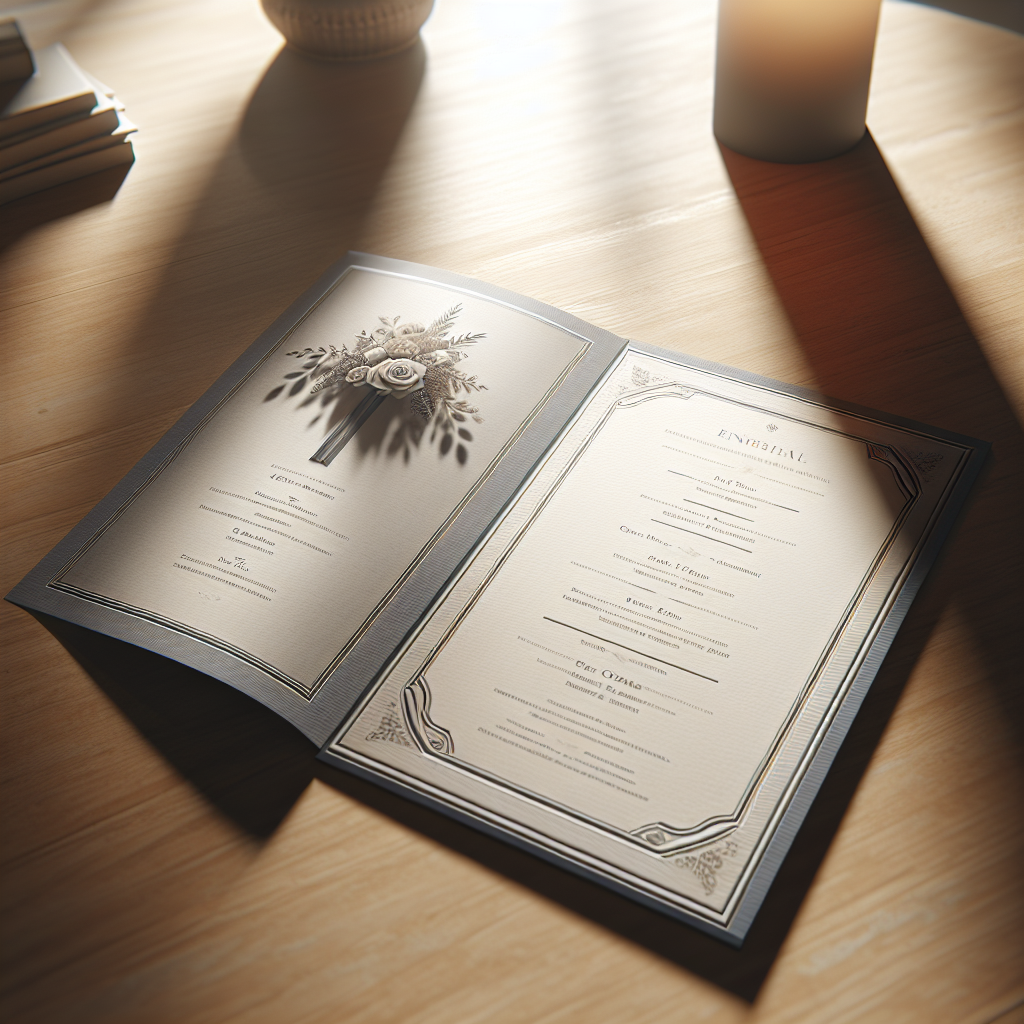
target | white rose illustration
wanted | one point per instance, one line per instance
(395, 359)
(399, 376)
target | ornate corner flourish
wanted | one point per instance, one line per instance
(391, 728)
(925, 462)
(706, 864)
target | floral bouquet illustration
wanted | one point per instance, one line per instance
(403, 361)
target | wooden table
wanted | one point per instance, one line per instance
(171, 851)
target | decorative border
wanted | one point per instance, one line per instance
(732, 923)
(660, 837)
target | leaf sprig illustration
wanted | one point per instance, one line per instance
(402, 360)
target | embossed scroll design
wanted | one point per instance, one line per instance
(391, 728)
(416, 704)
(642, 378)
(706, 865)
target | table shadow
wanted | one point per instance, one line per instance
(880, 326)
(23, 215)
(320, 133)
(247, 761)
(285, 200)
(252, 766)
(1008, 14)
(740, 971)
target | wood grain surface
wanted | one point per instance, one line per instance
(171, 853)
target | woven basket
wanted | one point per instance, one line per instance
(348, 29)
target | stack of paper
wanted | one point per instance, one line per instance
(15, 61)
(61, 124)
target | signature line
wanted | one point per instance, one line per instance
(649, 657)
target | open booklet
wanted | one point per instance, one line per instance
(605, 601)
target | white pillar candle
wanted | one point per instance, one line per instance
(792, 76)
